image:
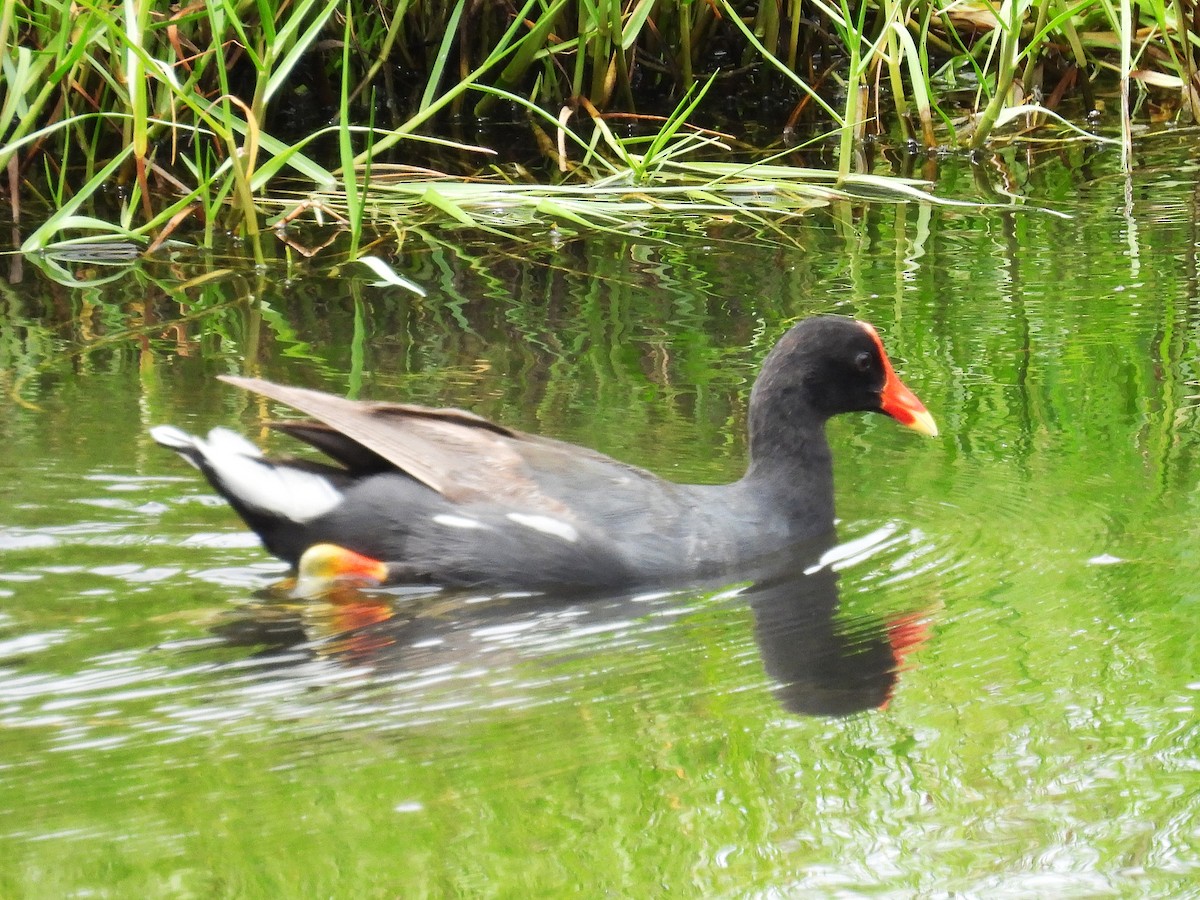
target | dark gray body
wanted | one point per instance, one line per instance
(628, 526)
(446, 497)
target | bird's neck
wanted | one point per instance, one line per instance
(791, 463)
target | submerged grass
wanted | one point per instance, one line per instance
(174, 116)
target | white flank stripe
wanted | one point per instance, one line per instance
(547, 525)
(457, 521)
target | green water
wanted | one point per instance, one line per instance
(165, 732)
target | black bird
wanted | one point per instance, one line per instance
(443, 496)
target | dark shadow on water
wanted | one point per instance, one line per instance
(823, 664)
(818, 662)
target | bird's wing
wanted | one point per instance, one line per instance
(456, 453)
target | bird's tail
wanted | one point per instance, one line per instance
(255, 486)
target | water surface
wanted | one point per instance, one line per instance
(169, 732)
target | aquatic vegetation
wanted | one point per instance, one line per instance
(136, 122)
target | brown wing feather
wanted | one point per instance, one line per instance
(456, 453)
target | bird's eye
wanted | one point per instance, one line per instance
(863, 361)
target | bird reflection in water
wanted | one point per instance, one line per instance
(819, 663)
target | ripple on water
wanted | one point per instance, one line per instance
(24, 645)
(25, 539)
(322, 681)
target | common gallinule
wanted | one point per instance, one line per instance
(446, 497)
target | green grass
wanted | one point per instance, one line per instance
(208, 117)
